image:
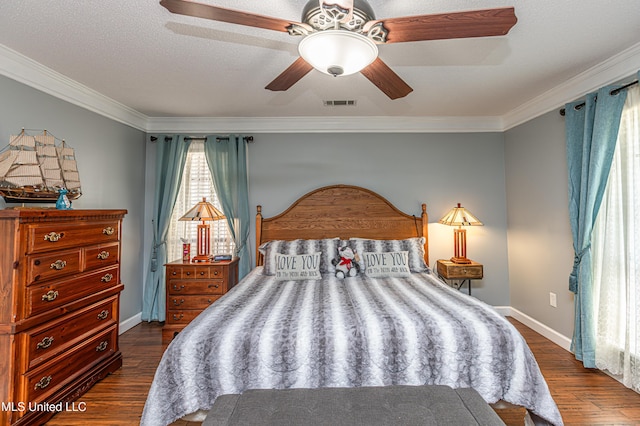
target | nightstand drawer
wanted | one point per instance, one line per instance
(192, 302)
(181, 316)
(450, 270)
(196, 272)
(196, 287)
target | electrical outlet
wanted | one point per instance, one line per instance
(552, 300)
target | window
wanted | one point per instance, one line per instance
(196, 184)
(616, 255)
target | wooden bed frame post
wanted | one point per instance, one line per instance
(425, 232)
(259, 259)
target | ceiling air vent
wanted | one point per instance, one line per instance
(349, 102)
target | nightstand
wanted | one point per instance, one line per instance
(464, 272)
(191, 288)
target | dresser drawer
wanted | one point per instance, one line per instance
(44, 297)
(102, 255)
(45, 237)
(181, 316)
(51, 376)
(178, 287)
(53, 265)
(192, 301)
(49, 340)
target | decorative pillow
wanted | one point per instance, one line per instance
(297, 266)
(327, 248)
(386, 264)
(414, 247)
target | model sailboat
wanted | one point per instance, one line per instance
(35, 168)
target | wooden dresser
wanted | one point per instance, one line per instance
(59, 300)
(192, 287)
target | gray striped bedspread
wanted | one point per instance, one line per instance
(360, 331)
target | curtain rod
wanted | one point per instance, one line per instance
(613, 92)
(248, 139)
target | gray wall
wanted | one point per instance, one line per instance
(406, 169)
(111, 158)
(539, 234)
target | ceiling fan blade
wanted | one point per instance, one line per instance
(207, 11)
(475, 23)
(290, 76)
(386, 80)
(341, 10)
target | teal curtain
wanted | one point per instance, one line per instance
(591, 133)
(227, 160)
(171, 155)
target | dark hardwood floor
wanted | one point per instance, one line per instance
(585, 397)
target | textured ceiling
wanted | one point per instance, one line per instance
(164, 65)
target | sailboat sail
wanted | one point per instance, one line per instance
(34, 168)
(69, 167)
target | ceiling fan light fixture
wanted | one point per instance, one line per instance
(338, 52)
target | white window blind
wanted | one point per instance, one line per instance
(196, 184)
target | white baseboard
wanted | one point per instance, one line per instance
(563, 341)
(129, 323)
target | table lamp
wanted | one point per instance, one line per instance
(459, 216)
(203, 212)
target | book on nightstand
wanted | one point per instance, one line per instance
(222, 257)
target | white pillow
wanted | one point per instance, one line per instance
(415, 247)
(297, 266)
(328, 247)
(386, 264)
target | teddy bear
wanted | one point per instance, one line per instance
(347, 264)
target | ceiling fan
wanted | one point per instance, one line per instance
(341, 36)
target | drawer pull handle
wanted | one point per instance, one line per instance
(45, 343)
(108, 230)
(53, 236)
(201, 272)
(106, 278)
(58, 265)
(177, 317)
(215, 272)
(50, 296)
(43, 383)
(103, 255)
(214, 285)
(178, 288)
(188, 273)
(178, 302)
(102, 346)
(103, 315)
(210, 301)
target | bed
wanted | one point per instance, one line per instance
(294, 322)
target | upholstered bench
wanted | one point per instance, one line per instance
(389, 405)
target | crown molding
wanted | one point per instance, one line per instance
(614, 69)
(324, 124)
(31, 73)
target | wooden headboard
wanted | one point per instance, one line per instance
(342, 211)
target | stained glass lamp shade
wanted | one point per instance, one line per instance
(203, 212)
(459, 216)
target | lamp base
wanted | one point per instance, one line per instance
(460, 260)
(201, 258)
